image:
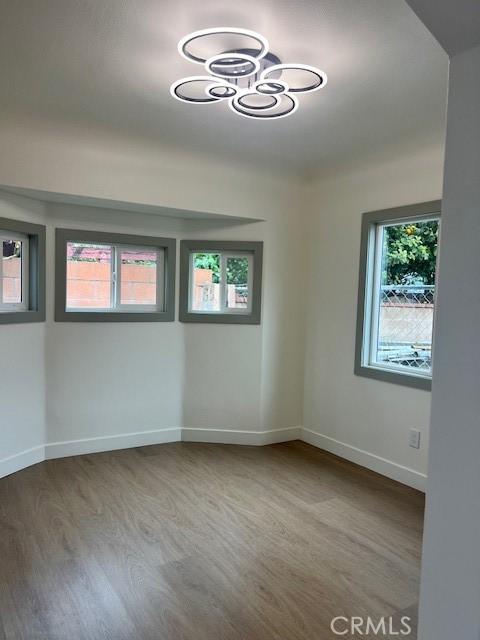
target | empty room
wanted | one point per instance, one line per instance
(239, 302)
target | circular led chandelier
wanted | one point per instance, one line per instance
(248, 78)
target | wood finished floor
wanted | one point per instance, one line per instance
(192, 541)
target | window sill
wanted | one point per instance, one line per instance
(114, 316)
(395, 377)
(21, 317)
(219, 318)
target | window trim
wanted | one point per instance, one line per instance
(368, 272)
(32, 308)
(228, 249)
(168, 245)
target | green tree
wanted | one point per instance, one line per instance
(237, 271)
(410, 253)
(237, 268)
(209, 261)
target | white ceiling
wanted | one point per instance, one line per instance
(456, 25)
(111, 62)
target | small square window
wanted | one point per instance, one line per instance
(22, 272)
(221, 281)
(111, 277)
(397, 294)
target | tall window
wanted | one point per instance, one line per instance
(220, 281)
(14, 271)
(397, 294)
(22, 271)
(109, 277)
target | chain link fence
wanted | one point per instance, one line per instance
(406, 325)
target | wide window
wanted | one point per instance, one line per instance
(109, 277)
(114, 277)
(221, 281)
(397, 294)
(22, 271)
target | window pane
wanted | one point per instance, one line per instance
(12, 271)
(89, 275)
(138, 276)
(206, 282)
(237, 283)
(406, 296)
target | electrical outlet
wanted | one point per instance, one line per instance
(414, 439)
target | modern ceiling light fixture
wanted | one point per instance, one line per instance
(245, 73)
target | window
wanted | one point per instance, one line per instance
(221, 281)
(14, 272)
(22, 272)
(397, 294)
(113, 277)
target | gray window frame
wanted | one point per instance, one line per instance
(36, 272)
(187, 247)
(62, 236)
(370, 222)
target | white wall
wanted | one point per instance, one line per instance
(110, 379)
(22, 377)
(106, 380)
(347, 413)
(257, 370)
(265, 362)
(450, 591)
(224, 362)
(66, 158)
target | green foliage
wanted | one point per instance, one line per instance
(237, 268)
(237, 271)
(410, 253)
(209, 261)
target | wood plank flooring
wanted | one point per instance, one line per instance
(191, 541)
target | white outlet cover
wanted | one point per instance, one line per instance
(414, 440)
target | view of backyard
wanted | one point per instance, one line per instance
(406, 295)
(211, 281)
(90, 276)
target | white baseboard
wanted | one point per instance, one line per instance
(363, 458)
(21, 460)
(371, 461)
(52, 450)
(110, 443)
(227, 436)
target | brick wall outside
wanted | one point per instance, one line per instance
(89, 284)
(206, 294)
(12, 280)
